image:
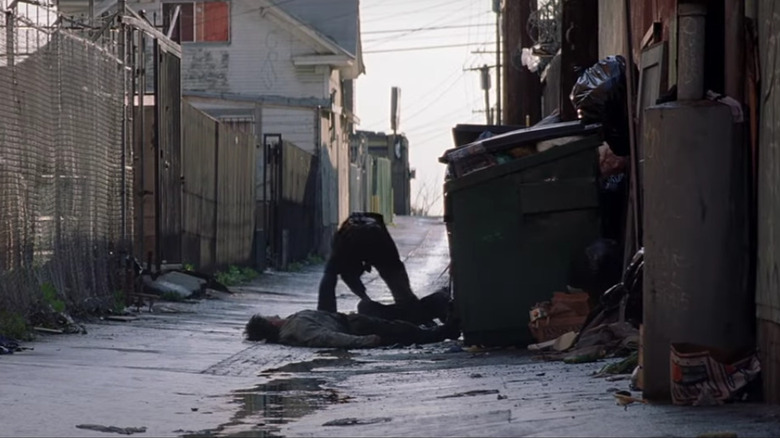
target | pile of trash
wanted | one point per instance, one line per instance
(608, 329)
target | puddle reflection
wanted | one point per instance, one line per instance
(266, 406)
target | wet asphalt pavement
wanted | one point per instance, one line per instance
(184, 370)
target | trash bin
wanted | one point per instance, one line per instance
(514, 228)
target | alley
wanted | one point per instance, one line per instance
(184, 370)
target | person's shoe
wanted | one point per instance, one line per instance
(451, 328)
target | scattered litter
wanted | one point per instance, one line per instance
(351, 421)
(625, 366)
(618, 377)
(586, 355)
(48, 330)
(542, 346)
(112, 429)
(703, 376)
(471, 393)
(121, 318)
(624, 398)
(634, 385)
(565, 312)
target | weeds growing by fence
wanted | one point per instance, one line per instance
(236, 275)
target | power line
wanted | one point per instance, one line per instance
(416, 29)
(405, 13)
(436, 21)
(409, 49)
(457, 72)
(438, 97)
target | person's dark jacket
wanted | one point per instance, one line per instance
(313, 328)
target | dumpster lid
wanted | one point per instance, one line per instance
(518, 137)
(463, 134)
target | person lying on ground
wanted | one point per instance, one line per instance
(322, 329)
(436, 305)
(362, 242)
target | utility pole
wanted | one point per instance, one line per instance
(579, 47)
(523, 88)
(485, 76)
(499, 97)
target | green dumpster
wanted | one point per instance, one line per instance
(514, 228)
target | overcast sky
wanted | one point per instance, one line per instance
(436, 92)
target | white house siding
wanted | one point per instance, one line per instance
(295, 124)
(340, 141)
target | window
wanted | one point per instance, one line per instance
(203, 21)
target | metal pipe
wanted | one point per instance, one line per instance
(122, 49)
(131, 120)
(735, 49)
(157, 159)
(690, 51)
(141, 215)
(498, 66)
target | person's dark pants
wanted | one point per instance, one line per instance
(423, 311)
(394, 331)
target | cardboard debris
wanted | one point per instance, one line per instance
(704, 375)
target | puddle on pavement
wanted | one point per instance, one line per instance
(262, 409)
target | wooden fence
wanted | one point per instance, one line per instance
(218, 168)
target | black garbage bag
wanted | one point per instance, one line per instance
(599, 95)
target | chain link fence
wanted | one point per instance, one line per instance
(61, 168)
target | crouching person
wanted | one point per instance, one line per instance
(323, 329)
(361, 243)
